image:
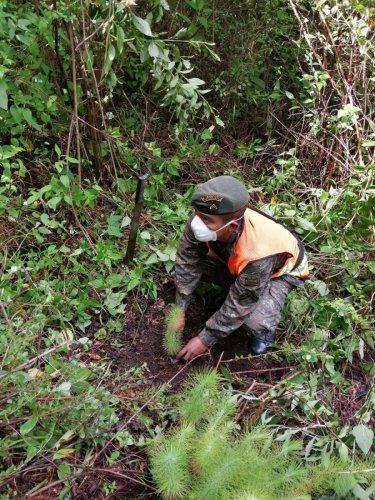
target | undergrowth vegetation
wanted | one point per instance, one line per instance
(93, 94)
(207, 456)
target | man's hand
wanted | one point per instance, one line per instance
(193, 348)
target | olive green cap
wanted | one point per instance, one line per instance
(220, 195)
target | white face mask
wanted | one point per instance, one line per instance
(204, 233)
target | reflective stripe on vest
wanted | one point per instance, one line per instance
(262, 237)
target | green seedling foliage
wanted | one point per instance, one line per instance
(169, 463)
(198, 399)
(172, 334)
(222, 463)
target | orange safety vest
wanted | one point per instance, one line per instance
(262, 237)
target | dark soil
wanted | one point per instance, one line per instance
(141, 342)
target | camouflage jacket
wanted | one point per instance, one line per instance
(245, 290)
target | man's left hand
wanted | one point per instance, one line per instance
(193, 348)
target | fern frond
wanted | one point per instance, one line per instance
(200, 397)
(172, 335)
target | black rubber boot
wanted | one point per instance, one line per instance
(258, 346)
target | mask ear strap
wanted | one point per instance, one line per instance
(234, 220)
(228, 224)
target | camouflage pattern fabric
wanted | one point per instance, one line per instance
(253, 299)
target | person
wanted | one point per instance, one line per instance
(257, 259)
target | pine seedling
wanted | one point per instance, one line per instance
(224, 412)
(172, 335)
(199, 398)
(226, 473)
(170, 463)
(211, 445)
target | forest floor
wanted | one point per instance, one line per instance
(138, 351)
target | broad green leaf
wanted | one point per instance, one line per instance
(63, 471)
(142, 26)
(29, 425)
(126, 221)
(120, 39)
(145, 235)
(64, 387)
(64, 179)
(152, 259)
(45, 219)
(133, 283)
(123, 185)
(3, 95)
(113, 299)
(153, 50)
(27, 115)
(81, 374)
(53, 202)
(114, 226)
(289, 95)
(195, 82)
(70, 159)
(206, 134)
(111, 53)
(368, 144)
(306, 225)
(364, 437)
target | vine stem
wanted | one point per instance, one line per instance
(75, 98)
(3, 310)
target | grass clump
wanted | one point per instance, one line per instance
(208, 458)
(172, 332)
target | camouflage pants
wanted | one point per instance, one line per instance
(265, 314)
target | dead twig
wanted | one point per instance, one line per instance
(124, 476)
(263, 370)
(242, 411)
(3, 310)
(36, 358)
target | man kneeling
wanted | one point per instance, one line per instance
(259, 260)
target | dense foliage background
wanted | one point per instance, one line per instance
(279, 93)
